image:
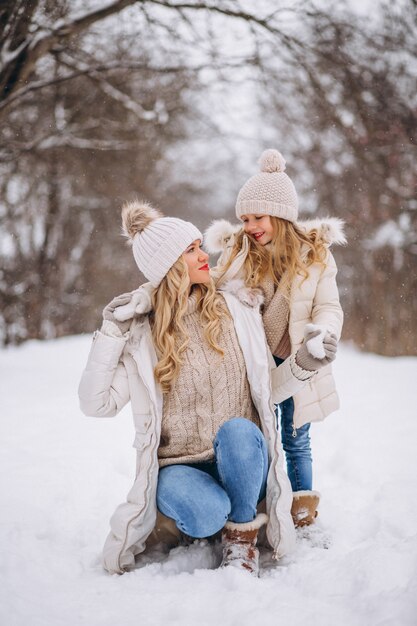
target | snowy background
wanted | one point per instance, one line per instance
(62, 475)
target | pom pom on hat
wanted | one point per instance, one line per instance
(271, 161)
(136, 216)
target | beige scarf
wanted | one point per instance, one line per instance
(275, 317)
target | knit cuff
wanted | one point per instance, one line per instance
(111, 330)
(298, 372)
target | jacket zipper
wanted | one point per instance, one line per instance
(146, 490)
(276, 433)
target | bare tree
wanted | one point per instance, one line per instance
(86, 116)
(69, 158)
(24, 41)
(353, 130)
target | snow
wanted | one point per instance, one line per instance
(62, 475)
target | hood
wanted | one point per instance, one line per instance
(220, 232)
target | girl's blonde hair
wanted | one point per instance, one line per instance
(284, 258)
(168, 331)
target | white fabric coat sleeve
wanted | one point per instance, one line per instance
(326, 305)
(284, 381)
(104, 388)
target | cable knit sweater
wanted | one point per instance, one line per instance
(209, 390)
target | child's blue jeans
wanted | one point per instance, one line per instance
(297, 448)
(201, 497)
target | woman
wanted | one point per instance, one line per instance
(196, 368)
(290, 262)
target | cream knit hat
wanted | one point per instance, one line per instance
(271, 192)
(157, 241)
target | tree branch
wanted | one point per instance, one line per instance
(19, 58)
(18, 65)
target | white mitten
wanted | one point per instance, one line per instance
(315, 345)
(140, 303)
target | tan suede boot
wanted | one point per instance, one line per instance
(304, 507)
(239, 544)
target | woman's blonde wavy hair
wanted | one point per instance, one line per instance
(284, 258)
(168, 331)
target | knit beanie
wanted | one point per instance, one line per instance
(157, 241)
(271, 192)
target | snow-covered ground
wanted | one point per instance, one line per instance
(62, 474)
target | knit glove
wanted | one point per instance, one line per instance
(108, 312)
(306, 361)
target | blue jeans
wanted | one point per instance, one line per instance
(297, 448)
(201, 497)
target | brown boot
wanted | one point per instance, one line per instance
(239, 544)
(304, 507)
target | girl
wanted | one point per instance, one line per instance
(291, 263)
(194, 363)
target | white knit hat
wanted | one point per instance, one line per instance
(157, 241)
(271, 192)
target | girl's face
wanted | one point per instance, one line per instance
(259, 227)
(196, 261)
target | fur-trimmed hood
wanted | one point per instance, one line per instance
(218, 235)
(220, 232)
(331, 229)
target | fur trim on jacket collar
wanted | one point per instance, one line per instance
(331, 229)
(220, 232)
(249, 296)
(218, 235)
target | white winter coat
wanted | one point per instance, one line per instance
(119, 370)
(316, 300)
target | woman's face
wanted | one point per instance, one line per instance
(259, 227)
(196, 261)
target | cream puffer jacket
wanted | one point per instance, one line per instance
(120, 369)
(314, 300)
